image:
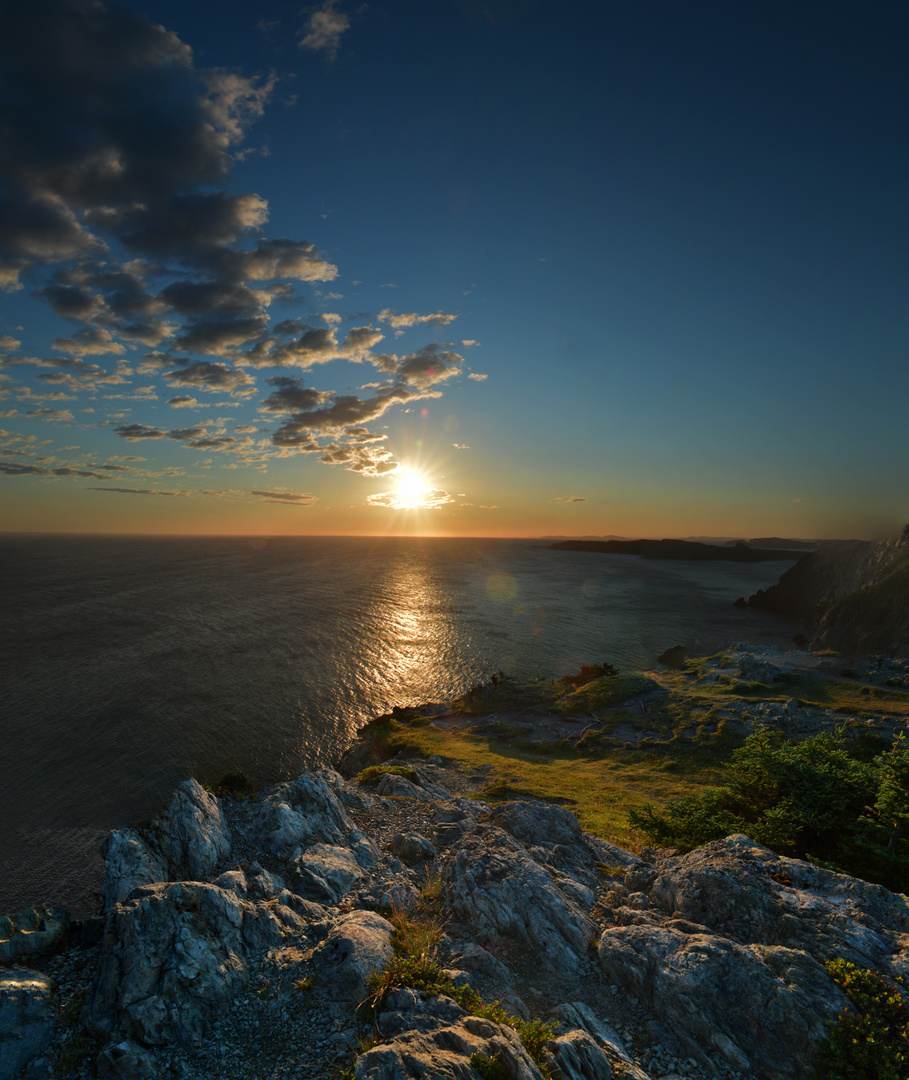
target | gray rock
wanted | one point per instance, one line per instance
(304, 812)
(761, 1008)
(324, 873)
(358, 946)
(126, 1061)
(32, 933)
(729, 886)
(28, 1024)
(130, 861)
(192, 832)
(577, 1057)
(576, 1015)
(444, 1053)
(412, 848)
(174, 956)
(494, 886)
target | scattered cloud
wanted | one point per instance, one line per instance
(50, 414)
(324, 28)
(395, 500)
(116, 209)
(398, 322)
(477, 377)
(562, 499)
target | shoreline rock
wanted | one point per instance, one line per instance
(705, 965)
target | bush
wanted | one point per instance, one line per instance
(872, 1042)
(809, 799)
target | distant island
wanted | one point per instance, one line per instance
(680, 549)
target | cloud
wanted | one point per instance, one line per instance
(477, 377)
(562, 499)
(207, 375)
(133, 432)
(460, 446)
(395, 500)
(398, 322)
(365, 460)
(324, 28)
(143, 491)
(285, 497)
(13, 469)
(430, 365)
(51, 414)
(116, 207)
(291, 396)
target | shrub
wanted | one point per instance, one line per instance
(872, 1042)
(810, 799)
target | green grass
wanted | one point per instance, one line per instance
(686, 744)
(599, 788)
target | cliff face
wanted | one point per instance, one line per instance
(853, 593)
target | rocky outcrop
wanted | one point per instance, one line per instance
(853, 593)
(29, 1020)
(705, 965)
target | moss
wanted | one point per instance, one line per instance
(374, 773)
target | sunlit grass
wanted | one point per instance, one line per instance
(598, 790)
(682, 737)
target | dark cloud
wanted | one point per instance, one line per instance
(366, 460)
(142, 491)
(51, 414)
(285, 497)
(13, 469)
(291, 396)
(133, 432)
(429, 365)
(207, 375)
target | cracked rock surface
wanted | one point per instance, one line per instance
(250, 955)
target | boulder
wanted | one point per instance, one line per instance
(28, 1024)
(324, 873)
(577, 1057)
(763, 1009)
(412, 847)
(746, 892)
(497, 889)
(32, 933)
(444, 1053)
(304, 812)
(174, 956)
(130, 861)
(357, 946)
(192, 833)
(126, 1061)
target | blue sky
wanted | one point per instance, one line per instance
(519, 268)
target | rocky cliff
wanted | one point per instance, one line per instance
(238, 940)
(853, 594)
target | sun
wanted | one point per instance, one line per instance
(412, 487)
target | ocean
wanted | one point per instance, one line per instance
(131, 663)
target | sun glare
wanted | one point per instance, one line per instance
(412, 486)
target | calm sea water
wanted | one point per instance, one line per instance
(131, 663)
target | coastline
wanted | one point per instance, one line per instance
(284, 899)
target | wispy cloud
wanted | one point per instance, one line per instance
(324, 29)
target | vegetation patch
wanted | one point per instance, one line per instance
(871, 1041)
(811, 799)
